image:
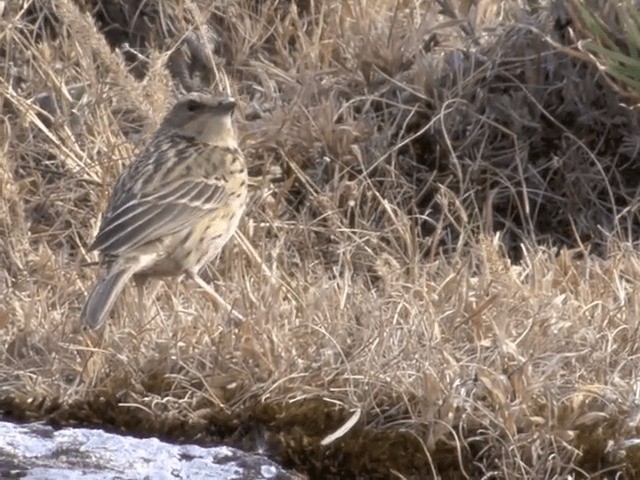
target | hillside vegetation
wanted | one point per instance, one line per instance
(437, 265)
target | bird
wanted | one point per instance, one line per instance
(174, 207)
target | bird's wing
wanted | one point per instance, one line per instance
(139, 219)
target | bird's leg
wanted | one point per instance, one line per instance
(150, 287)
(214, 296)
(140, 291)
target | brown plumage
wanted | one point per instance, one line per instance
(175, 206)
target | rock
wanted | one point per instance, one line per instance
(37, 451)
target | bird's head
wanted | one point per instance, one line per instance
(204, 118)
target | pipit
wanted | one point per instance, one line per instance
(174, 207)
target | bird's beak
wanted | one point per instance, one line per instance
(228, 105)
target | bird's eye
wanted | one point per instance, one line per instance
(193, 106)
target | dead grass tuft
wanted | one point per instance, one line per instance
(444, 265)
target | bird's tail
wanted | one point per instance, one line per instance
(103, 296)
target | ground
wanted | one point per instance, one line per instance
(437, 265)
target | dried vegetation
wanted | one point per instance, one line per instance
(444, 263)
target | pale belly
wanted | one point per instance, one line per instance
(196, 246)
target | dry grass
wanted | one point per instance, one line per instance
(408, 134)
